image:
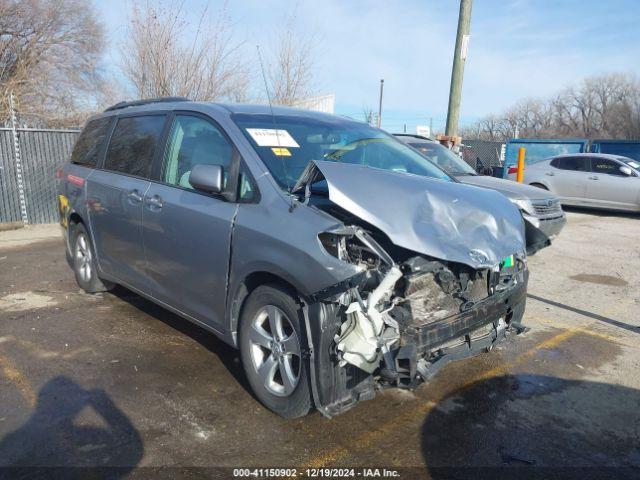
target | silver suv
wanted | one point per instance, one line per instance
(337, 259)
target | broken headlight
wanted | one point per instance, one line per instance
(355, 246)
(334, 244)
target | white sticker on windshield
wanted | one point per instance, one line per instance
(269, 137)
(634, 164)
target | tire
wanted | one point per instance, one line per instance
(84, 263)
(274, 364)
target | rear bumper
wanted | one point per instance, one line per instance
(540, 231)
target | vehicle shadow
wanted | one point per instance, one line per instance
(229, 356)
(52, 437)
(548, 427)
(601, 212)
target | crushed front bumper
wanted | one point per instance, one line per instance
(423, 351)
(427, 348)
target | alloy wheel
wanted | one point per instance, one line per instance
(83, 257)
(275, 351)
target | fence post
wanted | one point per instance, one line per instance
(18, 159)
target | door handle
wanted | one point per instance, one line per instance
(134, 196)
(593, 178)
(551, 174)
(154, 202)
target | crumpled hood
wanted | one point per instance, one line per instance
(513, 190)
(446, 220)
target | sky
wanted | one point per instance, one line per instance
(518, 49)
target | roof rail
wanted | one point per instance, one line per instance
(136, 103)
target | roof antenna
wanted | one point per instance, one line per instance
(273, 118)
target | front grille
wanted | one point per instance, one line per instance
(547, 207)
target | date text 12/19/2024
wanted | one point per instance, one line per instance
(315, 473)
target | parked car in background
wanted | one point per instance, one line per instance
(589, 179)
(336, 259)
(544, 218)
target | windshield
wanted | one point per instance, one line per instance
(635, 164)
(444, 158)
(293, 142)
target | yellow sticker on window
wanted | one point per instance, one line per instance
(281, 152)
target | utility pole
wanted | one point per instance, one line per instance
(459, 57)
(380, 103)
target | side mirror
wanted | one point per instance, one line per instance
(626, 170)
(207, 178)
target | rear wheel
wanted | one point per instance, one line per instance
(271, 341)
(84, 262)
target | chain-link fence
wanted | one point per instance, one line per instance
(483, 154)
(27, 172)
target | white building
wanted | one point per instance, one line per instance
(321, 103)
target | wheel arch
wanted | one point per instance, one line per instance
(540, 185)
(248, 284)
(73, 220)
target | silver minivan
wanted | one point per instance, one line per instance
(338, 260)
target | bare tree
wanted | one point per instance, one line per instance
(49, 50)
(166, 55)
(291, 68)
(605, 106)
(368, 114)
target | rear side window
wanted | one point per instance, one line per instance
(576, 164)
(87, 147)
(133, 145)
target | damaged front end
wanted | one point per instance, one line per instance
(405, 314)
(397, 324)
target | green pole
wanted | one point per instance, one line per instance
(459, 57)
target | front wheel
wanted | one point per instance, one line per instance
(84, 263)
(271, 346)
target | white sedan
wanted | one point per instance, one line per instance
(589, 179)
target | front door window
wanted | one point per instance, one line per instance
(194, 141)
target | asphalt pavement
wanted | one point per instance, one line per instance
(112, 380)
